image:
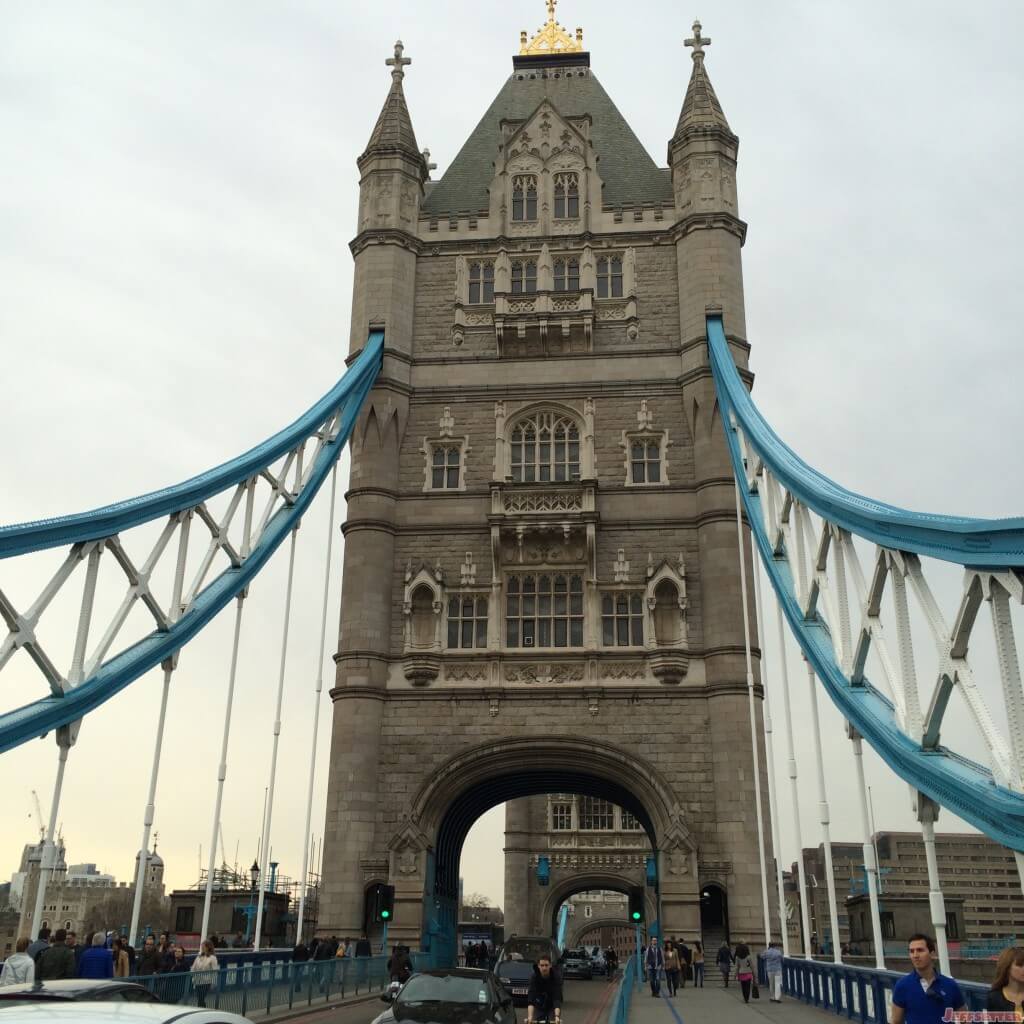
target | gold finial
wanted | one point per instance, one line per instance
(698, 42)
(550, 38)
(398, 62)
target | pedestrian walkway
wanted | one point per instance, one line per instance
(716, 1005)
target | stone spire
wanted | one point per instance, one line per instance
(701, 107)
(393, 133)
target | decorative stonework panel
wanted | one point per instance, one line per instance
(546, 674)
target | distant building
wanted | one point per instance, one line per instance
(9, 933)
(978, 876)
(81, 898)
(901, 917)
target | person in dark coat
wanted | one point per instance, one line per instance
(544, 998)
(97, 961)
(57, 961)
(300, 954)
(399, 965)
(42, 942)
(165, 953)
(148, 961)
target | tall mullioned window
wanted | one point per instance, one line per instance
(481, 282)
(622, 620)
(544, 610)
(524, 277)
(561, 817)
(524, 197)
(567, 196)
(567, 274)
(545, 448)
(596, 814)
(467, 621)
(630, 822)
(609, 277)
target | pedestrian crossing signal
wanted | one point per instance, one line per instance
(636, 904)
(382, 903)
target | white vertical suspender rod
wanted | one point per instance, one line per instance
(316, 711)
(222, 766)
(173, 614)
(66, 734)
(870, 861)
(265, 845)
(753, 719)
(773, 811)
(812, 696)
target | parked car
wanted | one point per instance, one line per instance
(515, 976)
(96, 1011)
(458, 995)
(102, 990)
(576, 964)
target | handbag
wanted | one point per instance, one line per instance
(755, 992)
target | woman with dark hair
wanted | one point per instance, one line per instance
(671, 967)
(744, 970)
(1007, 991)
(698, 964)
(204, 971)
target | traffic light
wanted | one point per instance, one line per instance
(636, 904)
(382, 903)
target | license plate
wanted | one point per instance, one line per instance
(519, 991)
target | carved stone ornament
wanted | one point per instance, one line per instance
(407, 861)
(679, 862)
(545, 674)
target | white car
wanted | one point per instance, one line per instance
(70, 1012)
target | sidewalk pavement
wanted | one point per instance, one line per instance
(716, 1005)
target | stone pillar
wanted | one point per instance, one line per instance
(517, 867)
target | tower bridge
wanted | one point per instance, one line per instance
(562, 507)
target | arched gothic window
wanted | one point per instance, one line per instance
(609, 277)
(524, 197)
(481, 283)
(545, 448)
(567, 274)
(524, 277)
(567, 195)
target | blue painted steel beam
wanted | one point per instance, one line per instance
(964, 787)
(977, 543)
(347, 396)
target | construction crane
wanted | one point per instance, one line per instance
(39, 816)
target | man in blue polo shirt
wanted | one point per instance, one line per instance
(924, 996)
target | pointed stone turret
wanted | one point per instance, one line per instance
(393, 133)
(701, 108)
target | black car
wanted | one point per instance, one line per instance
(103, 990)
(515, 975)
(576, 964)
(460, 995)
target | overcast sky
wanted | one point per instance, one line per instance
(176, 200)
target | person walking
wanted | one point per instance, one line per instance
(96, 961)
(724, 961)
(19, 967)
(204, 972)
(671, 968)
(924, 995)
(773, 968)
(176, 988)
(77, 949)
(1007, 992)
(698, 964)
(544, 997)
(685, 956)
(654, 964)
(56, 961)
(165, 954)
(744, 970)
(122, 966)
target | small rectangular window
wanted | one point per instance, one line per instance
(524, 277)
(481, 283)
(567, 275)
(645, 461)
(445, 467)
(609, 277)
(561, 817)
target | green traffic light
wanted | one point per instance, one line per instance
(385, 914)
(636, 915)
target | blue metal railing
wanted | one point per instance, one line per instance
(258, 989)
(857, 993)
(618, 1012)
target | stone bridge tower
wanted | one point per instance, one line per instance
(541, 589)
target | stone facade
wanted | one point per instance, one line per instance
(541, 589)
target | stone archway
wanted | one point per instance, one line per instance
(425, 849)
(578, 937)
(593, 881)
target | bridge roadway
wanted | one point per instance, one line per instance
(588, 1002)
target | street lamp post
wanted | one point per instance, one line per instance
(250, 911)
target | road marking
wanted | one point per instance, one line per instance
(672, 1009)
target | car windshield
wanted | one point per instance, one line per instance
(450, 988)
(526, 949)
(517, 969)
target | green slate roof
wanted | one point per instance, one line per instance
(629, 174)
